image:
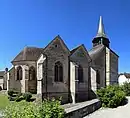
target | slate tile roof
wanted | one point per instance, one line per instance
(28, 54)
(95, 51)
(73, 50)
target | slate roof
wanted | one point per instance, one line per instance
(95, 51)
(73, 50)
(33, 53)
(28, 54)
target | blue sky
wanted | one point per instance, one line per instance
(37, 22)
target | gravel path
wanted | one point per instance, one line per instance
(120, 112)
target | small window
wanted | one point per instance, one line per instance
(19, 73)
(80, 73)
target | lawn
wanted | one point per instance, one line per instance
(3, 101)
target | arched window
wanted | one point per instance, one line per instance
(19, 73)
(58, 72)
(32, 74)
(98, 76)
(80, 73)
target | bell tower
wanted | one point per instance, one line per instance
(101, 37)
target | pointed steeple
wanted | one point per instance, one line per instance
(101, 37)
(101, 30)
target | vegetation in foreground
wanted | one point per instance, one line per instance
(47, 109)
(17, 96)
(126, 88)
(112, 96)
(3, 101)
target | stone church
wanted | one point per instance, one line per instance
(55, 71)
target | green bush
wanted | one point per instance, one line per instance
(111, 96)
(51, 109)
(23, 109)
(27, 96)
(19, 98)
(10, 93)
(126, 88)
(15, 96)
(11, 98)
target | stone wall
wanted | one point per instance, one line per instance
(99, 64)
(81, 88)
(12, 83)
(56, 51)
(114, 68)
(111, 67)
(80, 110)
(24, 85)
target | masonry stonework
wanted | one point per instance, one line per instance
(97, 68)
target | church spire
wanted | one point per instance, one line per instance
(101, 30)
(101, 37)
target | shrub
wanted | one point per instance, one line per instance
(23, 109)
(10, 93)
(111, 96)
(126, 88)
(18, 98)
(11, 98)
(51, 109)
(27, 96)
(15, 96)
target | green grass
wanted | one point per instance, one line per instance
(3, 101)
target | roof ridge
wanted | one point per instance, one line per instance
(74, 49)
(32, 47)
